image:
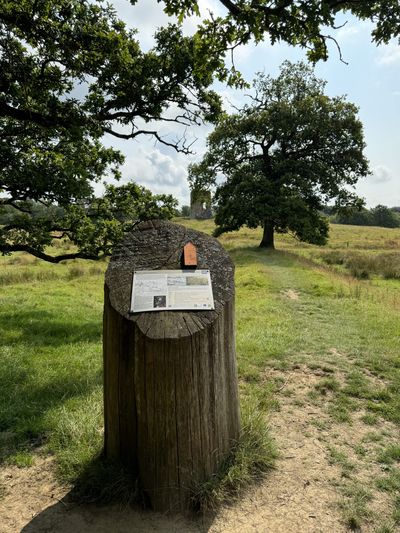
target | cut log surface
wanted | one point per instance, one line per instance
(170, 381)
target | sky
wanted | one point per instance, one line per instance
(370, 79)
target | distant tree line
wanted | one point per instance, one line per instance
(381, 215)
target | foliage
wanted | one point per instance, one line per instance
(185, 211)
(297, 23)
(385, 217)
(283, 157)
(94, 225)
(357, 217)
(70, 72)
(378, 216)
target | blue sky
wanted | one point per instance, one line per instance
(371, 80)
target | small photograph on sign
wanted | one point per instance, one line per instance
(160, 301)
(157, 290)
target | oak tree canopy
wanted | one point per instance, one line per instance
(277, 161)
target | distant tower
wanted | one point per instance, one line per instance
(200, 204)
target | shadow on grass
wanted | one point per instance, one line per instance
(47, 360)
(24, 408)
(45, 328)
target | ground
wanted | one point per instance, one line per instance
(301, 494)
(317, 351)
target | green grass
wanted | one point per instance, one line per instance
(390, 454)
(390, 482)
(340, 459)
(355, 506)
(50, 360)
(363, 265)
(51, 365)
(253, 456)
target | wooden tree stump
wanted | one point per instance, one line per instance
(170, 380)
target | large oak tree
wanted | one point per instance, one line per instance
(281, 158)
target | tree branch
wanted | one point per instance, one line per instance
(32, 116)
(46, 257)
(231, 7)
(11, 201)
(184, 149)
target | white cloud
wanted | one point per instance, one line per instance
(160, 173)
(381, 174)
(389, 54)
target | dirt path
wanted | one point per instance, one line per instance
(302, 494)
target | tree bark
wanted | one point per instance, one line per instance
(267, 240)
(170, 379)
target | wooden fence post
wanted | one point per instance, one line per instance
(170, 380)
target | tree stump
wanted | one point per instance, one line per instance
(170, 379)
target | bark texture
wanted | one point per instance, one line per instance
(170, 380)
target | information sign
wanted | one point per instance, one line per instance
(168, 290)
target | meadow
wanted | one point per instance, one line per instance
(331, 311)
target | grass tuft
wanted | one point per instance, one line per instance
(391, 482)
(251, 458)
(23, 275)
(364, 265)
(339, 458)
(21, 459)
(354, 507)
(390, 454)
(329, 384)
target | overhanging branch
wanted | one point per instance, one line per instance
(46, 257)
(178, 146)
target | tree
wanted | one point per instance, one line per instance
(384, 217)
(355, 217)
(70, 73)
(185, 211)
(93, 225)
(283, 157)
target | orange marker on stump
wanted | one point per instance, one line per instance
(190, 255)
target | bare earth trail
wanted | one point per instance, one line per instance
(296, 497)
(299, 496)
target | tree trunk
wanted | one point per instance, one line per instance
(268, 236)
(170, 381)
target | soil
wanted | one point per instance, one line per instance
(302, 494)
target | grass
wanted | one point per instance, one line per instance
(253, 455)
(51, 366)
(339, 458)
(390, 454)
(50, 360)
(355, 506)
(363, 265)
